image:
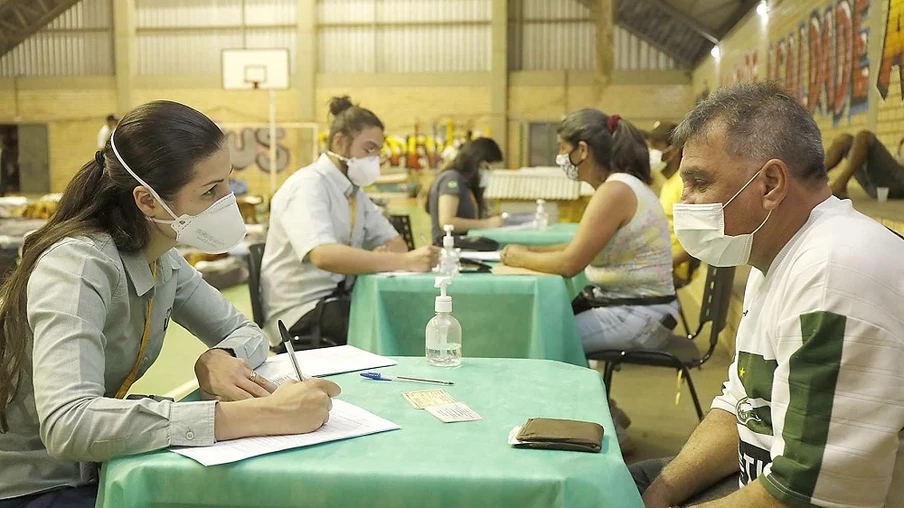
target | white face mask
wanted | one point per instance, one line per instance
(656, 162)
(362, 172)
(563, 160)
(701, 230)
(214, 231)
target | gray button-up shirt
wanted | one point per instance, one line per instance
(86, 307)
(312, 208)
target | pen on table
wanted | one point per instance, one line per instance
(376, 376)
(287, 339)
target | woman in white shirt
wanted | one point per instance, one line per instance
(85, 313)
(622, 243)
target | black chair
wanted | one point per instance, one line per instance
(402, 224)
(693, 266)
(312, 341)
(255, 257)
(681, 353)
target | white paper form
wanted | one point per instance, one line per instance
(321, 362)
(346, 421)
(480, 256)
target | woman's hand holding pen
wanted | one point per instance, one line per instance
(224, 377)
(294, 408)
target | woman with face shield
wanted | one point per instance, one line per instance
(324, 231)
(456, 196)
(85, 313)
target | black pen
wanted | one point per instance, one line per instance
(288, 341)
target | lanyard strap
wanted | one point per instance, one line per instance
(130, 379)
(353, 210)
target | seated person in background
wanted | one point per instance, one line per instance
(456, 196)
(324, 230)
(622, 242)
(868, 161)
(813, 407)
(670, 193)
(85, 313)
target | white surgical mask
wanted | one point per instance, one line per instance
(701, 230)
(362, 172)
(563, 160)
(656, 162)
(214, 231)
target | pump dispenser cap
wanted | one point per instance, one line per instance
(449, 240)
(443, 302)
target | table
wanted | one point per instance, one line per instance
(554, 235)
(426, 464)
(502, 316)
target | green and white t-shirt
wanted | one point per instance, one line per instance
(817, 383)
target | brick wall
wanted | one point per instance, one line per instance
(641, 104)
(74, 116)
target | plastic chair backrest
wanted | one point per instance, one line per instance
(255, 258)
(402, 224)
(715, 304)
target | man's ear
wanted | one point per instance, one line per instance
(777, 178)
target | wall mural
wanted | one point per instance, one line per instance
(251, 146)
(892, 48)
(743, 71)
(833, 43)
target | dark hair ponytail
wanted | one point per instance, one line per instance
(630, 153)
(614, 143)
(349, 119)
(161, 142)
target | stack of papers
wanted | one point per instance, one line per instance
(480, 256)
(321, 362)
(346, 421)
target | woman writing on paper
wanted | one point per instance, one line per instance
(85, 313)
(622, 243)
(456, 196)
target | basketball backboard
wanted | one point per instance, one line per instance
(247, 69)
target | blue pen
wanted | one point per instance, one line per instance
(376, 376)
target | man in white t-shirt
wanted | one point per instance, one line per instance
(813, 409)
(103, 135)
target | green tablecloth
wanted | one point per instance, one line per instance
(426, 464)
(502, 316)
(554, 235)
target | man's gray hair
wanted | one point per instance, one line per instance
(761, 121)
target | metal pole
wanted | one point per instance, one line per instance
(272, 142)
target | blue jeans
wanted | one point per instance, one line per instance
(69, 497)
(645, 472)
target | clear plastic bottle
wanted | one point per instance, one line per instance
(541, 219)
(443, 331)
(449, 263)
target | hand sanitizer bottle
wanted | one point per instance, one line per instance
(448, 261)
(443, 331)
(541, 219)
